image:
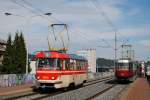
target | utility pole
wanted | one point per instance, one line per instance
(27, 66)
(115, 50)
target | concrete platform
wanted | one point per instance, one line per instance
(139, 90)
(15, 90)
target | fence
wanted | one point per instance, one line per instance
(99, 75)
(9, 80)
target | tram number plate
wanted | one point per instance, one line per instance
(45, 77)
(122, 74)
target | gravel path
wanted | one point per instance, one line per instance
(81, 93)
(112, 93)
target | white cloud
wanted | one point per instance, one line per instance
(87, 25)
(145, 42)
(133, 12)
(135, 31)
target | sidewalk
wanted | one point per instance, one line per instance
(14, 90)
(139, 90)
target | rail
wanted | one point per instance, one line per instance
(37, 95)
(10, 80)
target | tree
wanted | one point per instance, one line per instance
(8, 65)
(23, 54)
(20, 53)
(14, 61)
(16, 45)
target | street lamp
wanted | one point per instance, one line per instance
(48, 14)
(9, 14)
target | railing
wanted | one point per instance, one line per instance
(9, 80)
(99, 75)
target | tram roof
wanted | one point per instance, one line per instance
(124, 60)
(74, 56)
(55, 54)
(51, 54)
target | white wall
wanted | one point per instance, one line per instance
(33, 67)
(90, 55)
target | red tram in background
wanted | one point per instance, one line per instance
(125, 70)
(59, 70)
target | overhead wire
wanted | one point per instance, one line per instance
(21, 5)
(65, 27)
(60, 22)
(39, 12)
(62, 38)
(68, 36)
(123, 44)
(107, 43)
(99, 8)
(83, 36)
(36, 11)
(29, 4)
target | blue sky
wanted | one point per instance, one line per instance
(88, 23)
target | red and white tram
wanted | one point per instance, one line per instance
(125, 69)
(60, 70)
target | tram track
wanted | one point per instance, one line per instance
(101, 92)
(39, 96)
(86, 84)
(96, 81)
(111, 93)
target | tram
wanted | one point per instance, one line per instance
(125, 70)
(55, 69)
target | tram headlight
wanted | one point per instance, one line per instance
(38, 77)
(52, 77)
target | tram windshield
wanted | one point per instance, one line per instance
(123, 65)
(49, 63)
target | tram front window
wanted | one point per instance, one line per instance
(49, 63)
(123, 65)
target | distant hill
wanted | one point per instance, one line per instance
(102, 62)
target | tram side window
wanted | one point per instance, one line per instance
(116, 65)
(49, 63)
(45, 62)
(83, 64)
(120, 65)
(75, 64)
(41, 62)
(71, 66)
(67, 64)
(130, 66)
(86, 65)
(80, 64)
(59, 64)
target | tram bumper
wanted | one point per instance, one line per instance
(48, 84)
